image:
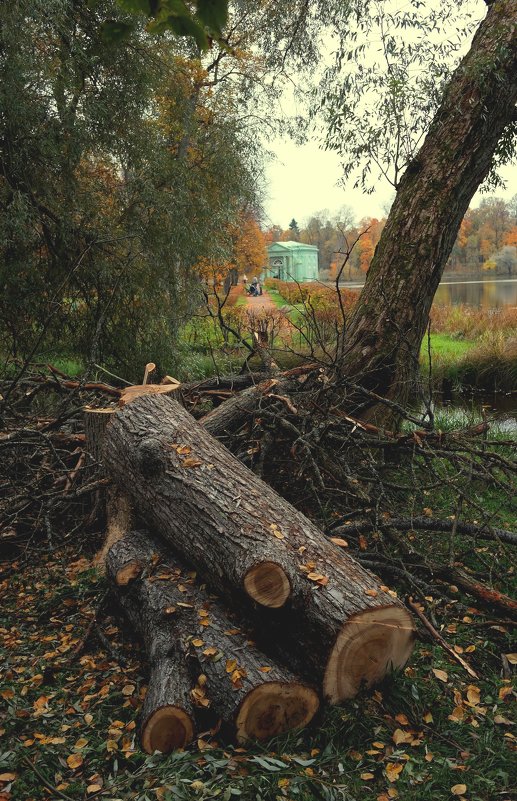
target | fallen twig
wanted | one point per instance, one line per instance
(438, 637)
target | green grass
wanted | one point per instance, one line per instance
(446, 347)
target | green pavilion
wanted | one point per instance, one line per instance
(293, 261)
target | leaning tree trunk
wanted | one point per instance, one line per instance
(327, 617)
(382, 339)
(199, 659)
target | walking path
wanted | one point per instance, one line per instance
(260, 303)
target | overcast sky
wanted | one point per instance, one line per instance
(302, 180)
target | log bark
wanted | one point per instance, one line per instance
(198, 658)
(383, 336)
(119, 513)
(231, 415)
(314, 605)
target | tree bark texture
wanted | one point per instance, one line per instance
(327, 617)
(200, 660)
(382, 340)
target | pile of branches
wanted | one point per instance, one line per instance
(351, 478)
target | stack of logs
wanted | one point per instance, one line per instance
(322, 626)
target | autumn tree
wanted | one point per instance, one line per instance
(122, 167)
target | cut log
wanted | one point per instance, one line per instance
(197, 656)
(235, 412)
(312, 604)
(119, 513)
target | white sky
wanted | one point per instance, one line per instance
(302, 180)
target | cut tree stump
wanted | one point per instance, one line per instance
(198, 657)
(312, 604)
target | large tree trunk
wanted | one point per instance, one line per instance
(329, 618)
(199, 660)
(383, 337)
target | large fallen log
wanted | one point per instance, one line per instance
(197, 656)
(326, 616)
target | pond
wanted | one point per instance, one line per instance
(480, 293)
(486, 293)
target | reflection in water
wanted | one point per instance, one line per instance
(480, 294)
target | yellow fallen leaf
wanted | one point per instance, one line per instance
(88, 718)
(504, 692)
(198, 643)
(366, 777)
(315, 576)
(440, 674)
(191, 462)
(93, 788)
(393, 771)
(378, 745)
(128, 689)
(7, 777)
(81, 742)
(459, 789)
(473, 694)
(392, 792)
(74, 761)
(371, 593)
(429, 757)
(428, 718)
(283, 782)
(400, 736)
(265, 669)
(401, 718)
(210, 651)
(500, 719)
(231, 664)
(512, 658)
(339, 541)
(457, 715)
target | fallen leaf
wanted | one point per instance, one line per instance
(265, 669)
(128, 689)
(74, 761)
(473, 694)
(191, 462)
(315, 576)
(93, 788)
(440, 674)
(340, 542)
(371, 593)
(366, 777)
(512, 658)
(459, 789)
(401, 718)
(393, 771)
(428, 718)
(400, 736)
(457, 715)
(7, 777)
(231, 664)
(198, 643)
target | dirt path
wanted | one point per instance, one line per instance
(261, 303)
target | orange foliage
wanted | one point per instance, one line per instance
(511, 236)
(249, 245)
